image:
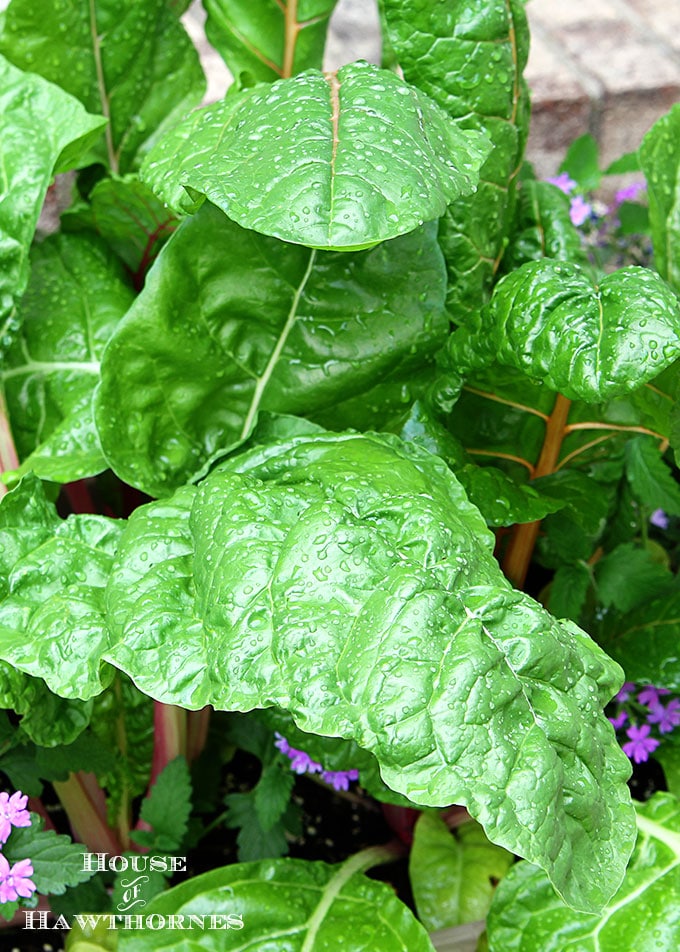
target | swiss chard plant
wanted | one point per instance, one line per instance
(329, 443)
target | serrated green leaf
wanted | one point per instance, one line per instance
(91, 895)
(660, 161)
(570, 535)
(272, 793)
(41, 130)
(322, 906)
(582, 164)
(630, 577)
(320, 141)
(52, 368)
(204, 349)
(526, 914)
(470, 57)
(263, 43)
(129, 217)
(453, 872)
(646, 642)
(568, 591)
(87, 48)
(650, 477)
(168, 806)
(254, 842)
(57, 862)
(587, 343)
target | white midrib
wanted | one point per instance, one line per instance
(48, 367)
(355, 864)
(263, 380)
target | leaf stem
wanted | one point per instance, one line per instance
(198, 723)
(83, 801)
(101, 84)
(292, 28)
(523, 538)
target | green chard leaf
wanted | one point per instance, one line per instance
(129, 217)
(588, 343)
(526, 913)
(543, 228)
(349, 159)
(231, 322)
(269, 41)
(42, 130)
(133, 62)
(52, 368)
(322, 906)
(469, 58)
(660, 161)
(452, 872)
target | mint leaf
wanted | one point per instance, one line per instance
(167, 808)
(57, 862)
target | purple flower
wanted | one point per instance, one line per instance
(667, 717)
(580, 210)
(659, 519)
(13, 812)
(618, 721)
(640, 745)
(563, 182)
(630, 192)
(15, 882)
(624, 693)
(340, 779)
(649, 696)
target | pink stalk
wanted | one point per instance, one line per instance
(83, 800)
(8, 454)
(198, 723)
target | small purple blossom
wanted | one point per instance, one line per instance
(15, 881)
(630, 192)
(659, 519)
(649, 696)
(625, 691)
(580, 210)
(667, 717)
(563, 182)
(339, 779)
(13, 812)
(618, 721)
(640, 745)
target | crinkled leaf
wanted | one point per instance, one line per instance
(469, 57)
(629, 577)
(452, 872)
(129, 217)
(646, 642)
(660, 161)
(543, 228)
(269, 40)
(644, 914)
(42, 130)
(231, 322)
(133, 62)
(588, 343)
(77, 293)
(57, 862)
(650, 477)
(334, 161)
(322, 906)
(46, 719)
(167, 808)
(570, 535)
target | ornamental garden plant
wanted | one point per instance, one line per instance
(339, 467)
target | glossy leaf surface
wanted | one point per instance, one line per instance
(469, 56)
(329, 160)
(452, 872)
(41, 130)
(543, 228)
(268, 41)
(132, 62)
(644, 914)
(660, 162)
(76, 295)
(587, 343)
(288, 905)
(231, 322)
(368, 552)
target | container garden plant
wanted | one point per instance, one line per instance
(330, 449)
